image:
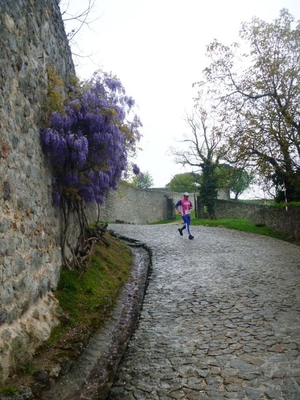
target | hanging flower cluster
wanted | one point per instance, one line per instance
(90, 142)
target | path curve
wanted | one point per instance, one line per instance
(220, 319)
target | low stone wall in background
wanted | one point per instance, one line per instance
(135, 206)
(280, 220)
(228, 209)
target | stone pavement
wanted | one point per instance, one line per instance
(220, 320)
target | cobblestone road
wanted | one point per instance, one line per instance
(220, 320)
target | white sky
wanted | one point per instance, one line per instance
(157, 49)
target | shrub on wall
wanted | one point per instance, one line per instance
(88, 144)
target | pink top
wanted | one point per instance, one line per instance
(185, 205)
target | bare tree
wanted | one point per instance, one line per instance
(81, 17)
(204, 149)
(75, 22)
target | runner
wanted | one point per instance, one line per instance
(184, 207)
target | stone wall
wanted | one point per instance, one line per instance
(134, 206)
(280, 220)
(32, 41)
(228, 209)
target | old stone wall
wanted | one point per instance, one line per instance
(32, 42)
(228, 209)
(285, 221)
(134, 206)
(280, 220)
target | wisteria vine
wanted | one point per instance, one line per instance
(88, 145)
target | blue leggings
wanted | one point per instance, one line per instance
(187, 222)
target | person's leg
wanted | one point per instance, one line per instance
(186, 219)
(188, 224)
(181, 229)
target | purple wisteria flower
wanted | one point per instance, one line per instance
(89, 144)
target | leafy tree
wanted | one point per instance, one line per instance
(240, 181)
(142, 181)
(257, 94)
(88, 145)
(209, 187)
(186, 182)
(237, 180)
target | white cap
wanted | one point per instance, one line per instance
(185, 194)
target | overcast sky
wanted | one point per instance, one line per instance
(157, 49)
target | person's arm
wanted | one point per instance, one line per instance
(177, 205)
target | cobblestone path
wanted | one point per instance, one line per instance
(220, 320)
